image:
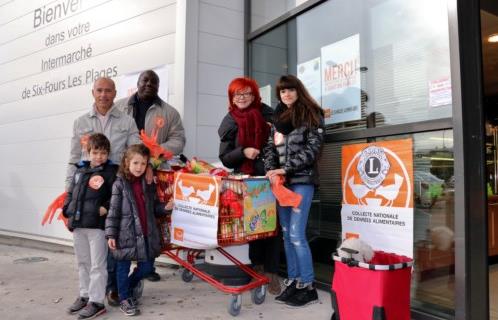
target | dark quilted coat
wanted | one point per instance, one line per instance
(297, 154)
(231, 153)
(123, 223)
(85, 200)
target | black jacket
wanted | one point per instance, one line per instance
(231, 153)
(297, 154)
(123, 223)
(89, 190)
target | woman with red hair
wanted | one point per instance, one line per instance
(243, 133)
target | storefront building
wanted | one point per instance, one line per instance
(419, 78)
(425, 70)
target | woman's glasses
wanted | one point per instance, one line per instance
(242, 95)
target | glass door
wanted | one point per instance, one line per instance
(489, 40)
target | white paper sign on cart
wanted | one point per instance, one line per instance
(194, 222)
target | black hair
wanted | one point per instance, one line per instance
(306, 110)
(98, 141)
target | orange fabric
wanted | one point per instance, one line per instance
(155, 149)
(58, 203)
(285, 197)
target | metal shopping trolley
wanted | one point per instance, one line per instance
(231, 232)
(378, 290)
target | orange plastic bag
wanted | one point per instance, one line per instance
(58, 203)
(285, 197)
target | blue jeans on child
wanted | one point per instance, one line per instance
(127, 283)
(293, 222)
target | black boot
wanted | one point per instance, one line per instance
(289, 291)
(303, 297)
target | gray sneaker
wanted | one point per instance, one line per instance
(77, 305)
(129, 308)
(91, 310)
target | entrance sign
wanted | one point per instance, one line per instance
(51, 54)
(377, 188)
(440, 92)
(341, 85)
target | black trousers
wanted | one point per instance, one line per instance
(266, 252)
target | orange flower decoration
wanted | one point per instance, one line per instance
(156, 151)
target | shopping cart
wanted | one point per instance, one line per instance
(230, 232)
(378, 290)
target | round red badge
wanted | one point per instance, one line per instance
(96, 182)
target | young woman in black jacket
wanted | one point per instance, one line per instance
(243, 134)
(292, 151)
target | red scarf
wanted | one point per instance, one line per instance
(253, 131)
(138, 194)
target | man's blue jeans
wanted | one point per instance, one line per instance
(293, 222)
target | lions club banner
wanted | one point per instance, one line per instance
(194, 222)
(377, 188)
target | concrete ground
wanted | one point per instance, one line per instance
(32, 289)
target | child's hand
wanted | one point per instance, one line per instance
(102, 211)
(169, 205)
(149, 175)
(112, 244)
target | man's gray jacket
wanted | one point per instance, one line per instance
(172, 135)
(122, 131)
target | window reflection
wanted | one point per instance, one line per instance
(269, 56)
(434, 252)
(264, 11)
(403, 52)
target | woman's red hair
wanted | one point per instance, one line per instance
(239, 84)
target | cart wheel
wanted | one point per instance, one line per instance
(258, 295)
(187, 275)
(235, 304)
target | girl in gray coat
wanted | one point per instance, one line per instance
(131, 227)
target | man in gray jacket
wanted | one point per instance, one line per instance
(145, 106)
(121, 131)
(104, 118)
(149, 110)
